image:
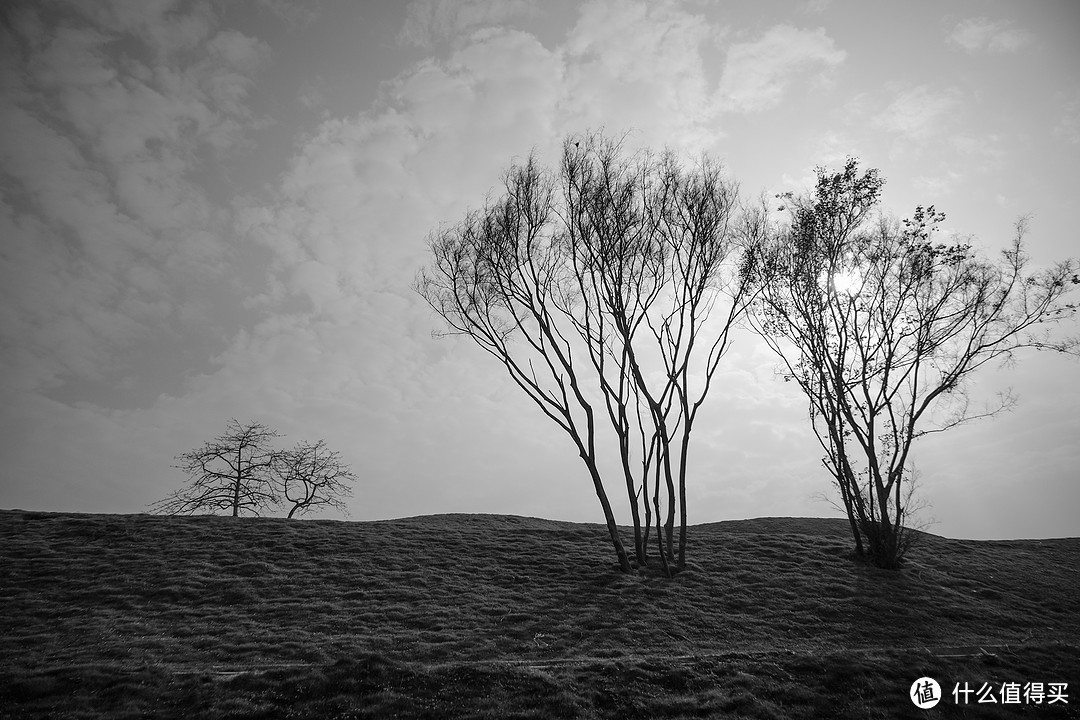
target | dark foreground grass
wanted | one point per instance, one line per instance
(508, 617)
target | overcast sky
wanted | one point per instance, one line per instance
(216, 209)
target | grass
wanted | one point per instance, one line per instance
(508, 617)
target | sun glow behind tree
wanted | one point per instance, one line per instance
(881, 325)
(848, 281)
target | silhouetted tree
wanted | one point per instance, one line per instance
(311, 475)
(232, 472)
(881, 326)
(592, 285)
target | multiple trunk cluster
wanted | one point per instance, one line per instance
(607, 289)
(880, 326)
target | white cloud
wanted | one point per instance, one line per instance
(123, 252)
(834, 147)
(637, 66)
(348, 227)
(1068, 125)
(830, 149)
(166, 26)
(986, 148)
(937, 186)
(428, 22)
(313, 95)
(242, 52)
(918, 113)
(295, 13)
(981, 34)
(757, 74)
(110, 243)
(815, 7)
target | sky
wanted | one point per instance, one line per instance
(215, 210)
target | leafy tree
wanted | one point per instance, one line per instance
(882, 325)
(232, 472)
(605, 288)
(311, 475)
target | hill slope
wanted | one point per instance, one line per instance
(499, 616)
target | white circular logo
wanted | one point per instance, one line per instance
(925, 693)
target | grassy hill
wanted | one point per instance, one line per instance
(509, 617)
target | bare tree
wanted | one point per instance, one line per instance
(232, 472)
(593, 286)
(881, 327)
(310, 476)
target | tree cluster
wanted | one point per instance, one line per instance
(608, 289)
(241, 472)
(881, 325)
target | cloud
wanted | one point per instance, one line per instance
(346, 227)
(162, 25)
(110, 244)
(147, 294)
(428, 22)
(295, 13)
(815, 7)
(1068, 125)
(757, 74)
(361, 194)
(983, 35)
(346, 345)
(964, 155)
(314, 95)
(936, 186)
(988, 149)
(638, 66)
(829, 149)
(918, 113)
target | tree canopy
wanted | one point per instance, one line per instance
(607, 289)
(882, 324)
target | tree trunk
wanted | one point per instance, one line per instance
(682, 498)
(846, 491)
(660, 535)
(669, 524)
(609, 516)
(239, 478)
(648, 520)
(639, 546)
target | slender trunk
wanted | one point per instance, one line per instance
(883, 504)
(669, 524)
(682, 497)
(660, 535)
(609, 516)
(845, 480)
(899, 522)
(648, 517)
(848, 490)
(656, 505)
(886, 550)
(845, 493)
(639, 547)
(236, 487)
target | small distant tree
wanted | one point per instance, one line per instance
(233, 472)
(881, 326)
(311, 475)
